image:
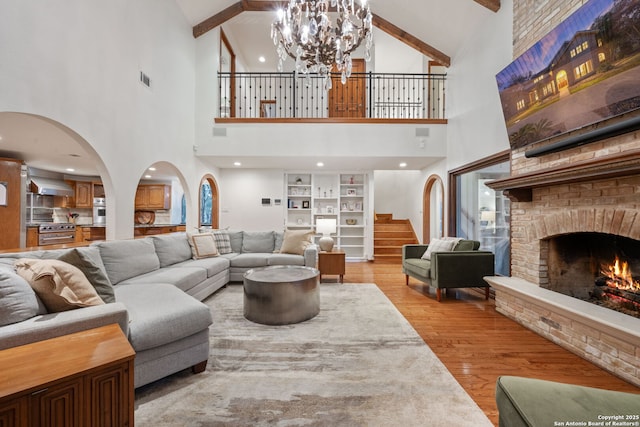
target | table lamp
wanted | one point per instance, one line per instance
(326, 226)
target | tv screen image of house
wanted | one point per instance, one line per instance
(584, 71)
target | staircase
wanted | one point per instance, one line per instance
(388, 237)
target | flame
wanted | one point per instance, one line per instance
(620, 276)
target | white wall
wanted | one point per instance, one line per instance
(77, 62)
(476, 125)
(241, 194)
(400, 193)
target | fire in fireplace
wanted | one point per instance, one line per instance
(577, 261)
(617, 288)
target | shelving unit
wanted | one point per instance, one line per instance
(342, 196)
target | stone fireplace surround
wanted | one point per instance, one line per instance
(593, 188)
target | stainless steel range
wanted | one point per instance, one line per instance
(56, 234)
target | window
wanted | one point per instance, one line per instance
(205, 204)
(585, 45)
(578, 49)
(520, 104)
(583, 69)
(602, 57)
(573, 53)
(480, 212)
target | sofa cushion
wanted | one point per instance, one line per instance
(235, 238)
(88, 260)
(296, 241)
(250, 260)
(257, 242)
(212, 266)
(124, 259)
(59, 285)
(223, 242)
(171, 248)
(285, 259)
(18, 301)
(438, 245)
(278, 238)
(203, 245)
(183, 278)
(160, 314)
(421, 267)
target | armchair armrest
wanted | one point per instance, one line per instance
(461, 268)
(413, 251)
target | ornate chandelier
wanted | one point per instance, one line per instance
(305, 32)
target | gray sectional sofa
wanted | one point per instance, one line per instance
(157, 289)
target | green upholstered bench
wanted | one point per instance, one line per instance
(538, 403)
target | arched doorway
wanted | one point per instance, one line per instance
(432, 209)
(208, 203)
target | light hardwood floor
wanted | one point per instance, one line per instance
(476, 343)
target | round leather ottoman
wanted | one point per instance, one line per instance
(281, 294)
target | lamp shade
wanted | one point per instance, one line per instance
(326, 226)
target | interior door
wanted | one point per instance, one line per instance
(348, 100)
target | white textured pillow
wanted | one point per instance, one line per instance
(438, 245)
(203, 245)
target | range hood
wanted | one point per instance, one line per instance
(51, 187)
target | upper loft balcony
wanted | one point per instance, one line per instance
(362, 98)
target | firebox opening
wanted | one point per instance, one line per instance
(577, 261)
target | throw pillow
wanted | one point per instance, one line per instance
(438, 245)
(89, 262)
(18, 302)
(203, 245)
(59, 285)
(296, 241)
(257, 242)
(223, 242)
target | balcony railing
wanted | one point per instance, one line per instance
(366, 95)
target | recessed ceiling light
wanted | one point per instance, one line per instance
(320, 164)
(403, 165)
(147, 176)
(152, 168)
(70, 169)
(262, 59)
(237, 164)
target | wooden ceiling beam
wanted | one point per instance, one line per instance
(218, 19)
(384, 25)
(411, 40)
(492, 5)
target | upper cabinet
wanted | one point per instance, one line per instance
(153, 196)
(83, 194)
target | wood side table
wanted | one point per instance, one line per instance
(331, 263)
(85, 378)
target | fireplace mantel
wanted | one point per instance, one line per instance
(519, 188)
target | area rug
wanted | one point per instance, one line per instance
(357, 363)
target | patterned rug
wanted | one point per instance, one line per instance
(357, 363)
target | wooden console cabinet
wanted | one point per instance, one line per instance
(81, 379)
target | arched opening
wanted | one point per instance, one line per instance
(208, 203)
(433, 209)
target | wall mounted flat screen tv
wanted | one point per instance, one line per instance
(583, 72)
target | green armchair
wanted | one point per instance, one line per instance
(463, 267)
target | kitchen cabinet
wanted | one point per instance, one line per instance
(32, 236)
(11, 221)
(83, 194)
(153, 196)
(149, 230)
(85, 378)
(91, 234)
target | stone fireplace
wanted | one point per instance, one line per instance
(571, 210)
